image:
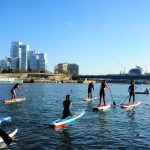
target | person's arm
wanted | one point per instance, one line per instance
(70, 105)
(129, 89)
(19, 89)
(107, 85)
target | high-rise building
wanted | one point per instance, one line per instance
(34, 63)
(16, 52)
(5, 64)
(22, 59)
(15, 64)
(29, 56)
(16, 49)
(43, 62)
(66, 68)
(24, 55)
(19, 55)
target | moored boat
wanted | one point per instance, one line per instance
(142, 93)
(4, 79)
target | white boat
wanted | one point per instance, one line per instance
(10, 79)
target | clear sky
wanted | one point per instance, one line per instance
(101, 36)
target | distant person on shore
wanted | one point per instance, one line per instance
(146, 91)
(13, 91)
(104, 85)
(67, 105)
(131, 91)
(90, 88)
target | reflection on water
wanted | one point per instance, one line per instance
(66, 139)
(103, 123)
(133, 127)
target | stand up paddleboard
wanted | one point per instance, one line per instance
(17, 100)
(59, 123)
(5, 119)
(11, 135)
(130, 106)
(101, 107)
(89, 99)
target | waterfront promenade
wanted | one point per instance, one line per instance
(61, 78)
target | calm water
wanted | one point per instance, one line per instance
(112, 129)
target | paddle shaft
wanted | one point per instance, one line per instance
(5, 137)
(125, 99)
(111, 96)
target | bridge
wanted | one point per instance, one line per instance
(114, 77)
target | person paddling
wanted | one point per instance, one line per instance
(67, 105)
(104, 85)
(13, 91)
(131, 91)
(146, 91)
(90, 88)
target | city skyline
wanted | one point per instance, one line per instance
(102, 37)
(23, 59)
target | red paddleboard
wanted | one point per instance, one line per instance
(129, 106)
(101, 107)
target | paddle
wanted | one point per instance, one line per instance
(5, 137)
(125, 99)
(114, 103)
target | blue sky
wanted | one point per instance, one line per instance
(101, 36)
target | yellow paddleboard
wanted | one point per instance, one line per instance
(17, 100)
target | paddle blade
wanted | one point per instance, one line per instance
(114, 103)
(5, 137)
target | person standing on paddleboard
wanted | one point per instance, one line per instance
(104, 85)
(90, 88)
(13, 92)
(131, 91)
(67, 105)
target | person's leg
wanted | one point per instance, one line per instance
(88, 93)
(14, 94)
(104, 98)
(91, 94)
(130, 97)
(133, 98)
(100, 97)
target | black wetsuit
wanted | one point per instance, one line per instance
(66, 111)
(131, 91)
(13, 91)
(90, 87)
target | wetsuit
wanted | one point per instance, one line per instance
(102, 92)
(13, 91)
(66, 111)
(90, 87)
(131, 92)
